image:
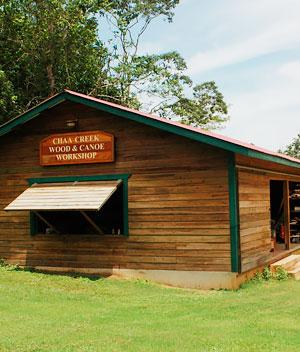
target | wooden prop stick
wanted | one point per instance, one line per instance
(95, 226)
(46, 221)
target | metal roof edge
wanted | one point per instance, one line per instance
(153, 121)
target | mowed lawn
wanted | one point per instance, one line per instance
(42, 312)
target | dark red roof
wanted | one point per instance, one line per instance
(195, 133)
(187, 127)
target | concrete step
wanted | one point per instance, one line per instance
(295, 272)
(287, 263)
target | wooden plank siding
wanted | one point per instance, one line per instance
(255, 222)
(276, 171)
(178, 198)
(254, 178)
(64, 196)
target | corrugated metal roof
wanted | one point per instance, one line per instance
(198, 134)
(187, 127)
(65, 196)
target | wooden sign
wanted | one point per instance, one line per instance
(77, 148)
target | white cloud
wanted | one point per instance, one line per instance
(291, 70)
(272, 40)
(263, 94)
(268, 116)
(254, 29)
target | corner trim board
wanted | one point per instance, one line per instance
(234, 215)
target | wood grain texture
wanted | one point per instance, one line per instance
(77, 148)
(68, 196)
(178, 198)
(254, 209)
(288, 173)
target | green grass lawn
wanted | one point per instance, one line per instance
(57, 313)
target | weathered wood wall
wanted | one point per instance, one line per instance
(254, 210)
(178, 198)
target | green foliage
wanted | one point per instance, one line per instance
(207, 108)
(160, 79)
(267, 274)
(8, 267)
(8, 100)
(293, 149)
(281, 274)
(47, 46)
(127, 11)
(131, 73)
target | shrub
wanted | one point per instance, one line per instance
(266, 275)
(281, 274)
(4, 265)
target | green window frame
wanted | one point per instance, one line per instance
(110, 177)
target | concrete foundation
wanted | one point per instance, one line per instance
(185, 279)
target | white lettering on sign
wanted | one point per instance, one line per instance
(77, 148)
(61, 146)
(88, 147)
(60, 149)
(62, 140)
(78, 156)
(86, 139)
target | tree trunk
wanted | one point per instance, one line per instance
(51, 79)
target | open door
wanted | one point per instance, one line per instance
(280, 215)
(294, 211)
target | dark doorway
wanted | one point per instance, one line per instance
(277, 214)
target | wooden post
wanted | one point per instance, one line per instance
(287, 217)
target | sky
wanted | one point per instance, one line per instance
(251, 49)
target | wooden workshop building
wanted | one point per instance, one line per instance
(91, 187)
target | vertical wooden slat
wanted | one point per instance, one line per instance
(286, 200)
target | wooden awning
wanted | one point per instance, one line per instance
(81, 196)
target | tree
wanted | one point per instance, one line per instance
(47, 46)
(160, 79)
(8, 100)
(206, 109)
(127, 70)
(293, 149)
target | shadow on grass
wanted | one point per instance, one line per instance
(10, 267)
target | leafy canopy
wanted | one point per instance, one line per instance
(47, 46)
(293, 149)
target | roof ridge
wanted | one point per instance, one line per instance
(195, 133)
(188, 127)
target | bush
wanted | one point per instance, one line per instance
(6, 266)
(266, 275)
(281, 274)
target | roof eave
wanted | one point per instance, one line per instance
(187, 133)
(32, 113)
